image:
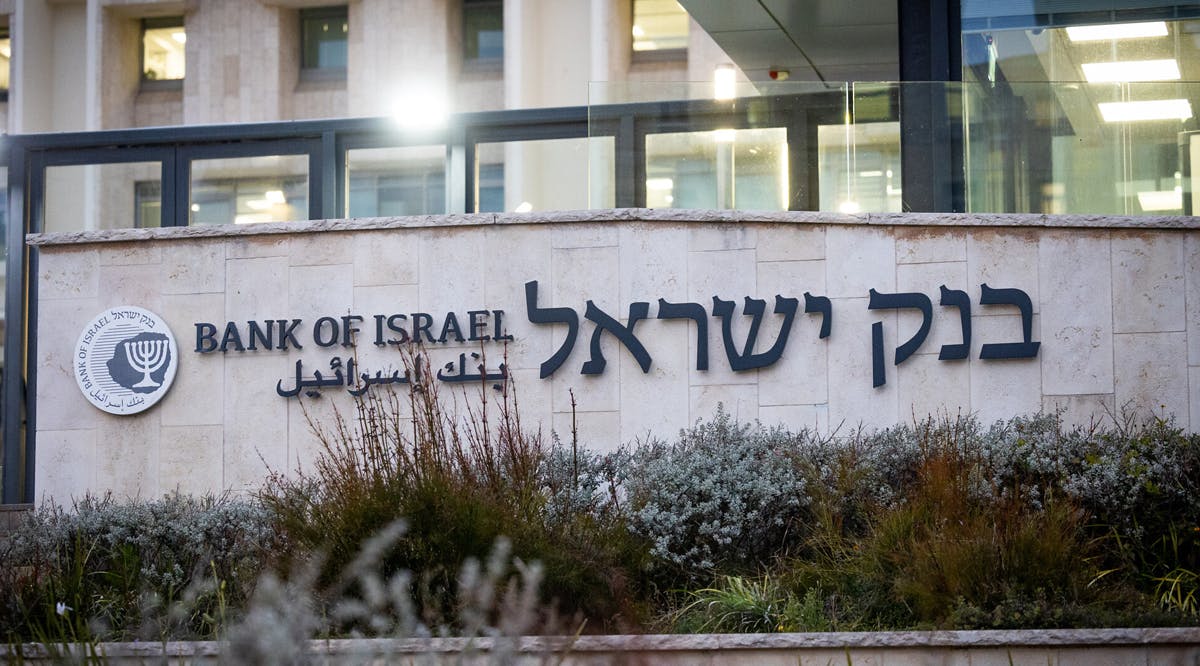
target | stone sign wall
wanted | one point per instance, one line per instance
(647, 320)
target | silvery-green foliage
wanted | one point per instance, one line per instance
(723, 493)
(579, 482)
(172, 537)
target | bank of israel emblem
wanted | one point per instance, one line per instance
(125, 360)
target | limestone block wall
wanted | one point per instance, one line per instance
(1114, 304)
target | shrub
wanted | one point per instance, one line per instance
(139, 569)
(724, 496)
(459, 482)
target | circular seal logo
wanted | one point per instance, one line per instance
(125, 360)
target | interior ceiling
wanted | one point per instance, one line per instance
(813, 40)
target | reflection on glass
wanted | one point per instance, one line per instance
(744, 169)
(163, 42)
(549, 174)
(860, 167)
(386, 182)
(659, 25)
(98, 196)
(249, 190)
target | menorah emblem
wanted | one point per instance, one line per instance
(146, 356)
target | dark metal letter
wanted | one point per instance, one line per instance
(637, 312)
(755, 308)
(822, 305)
(895, 301)
(962, 301)
(696, 313)
(538, 315)
(1025, 349)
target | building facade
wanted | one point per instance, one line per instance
(1054, 140)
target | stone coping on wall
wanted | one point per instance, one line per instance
(649, 645)
(623, 215)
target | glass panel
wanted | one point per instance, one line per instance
(744, 169)
(551, 174)
(659, 25)
(247, 190)
(324, 34)
(386, 182)
(163, 42)
(483, 30)
(860, 167)
(1064, 147)
(147, 204)
(98, 196)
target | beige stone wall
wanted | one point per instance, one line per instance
(1117, 312)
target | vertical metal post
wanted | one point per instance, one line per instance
(625, 164)
(930, 147)
(180, 197)
(330, 163)
(14, 316)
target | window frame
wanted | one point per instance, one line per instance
(154, 23)
(318, 73)
(478, 63)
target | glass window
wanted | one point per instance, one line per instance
(5, 58)
(163, 42)
(385, 182)
(1078, 112)
(323, 36)
(659, 26)
(483, 30)
(245, 190)
(742, 169)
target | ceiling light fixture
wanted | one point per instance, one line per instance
(1161, 109)
(1096, 33)
(1131, 70)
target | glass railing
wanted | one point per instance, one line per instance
(1070, 147)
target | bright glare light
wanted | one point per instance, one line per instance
(1162, 109)
(1132, 70)
(870, 174)
(724, 82)
(251, 218)
(638, 32)
(849, 207)
(258, 204)
(420, 110)
(1095, 33)
(179, 36)
(275, 196)
(724, 135)
(195, 208)
(1161, 200)
(524, 207)
(660, 184)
